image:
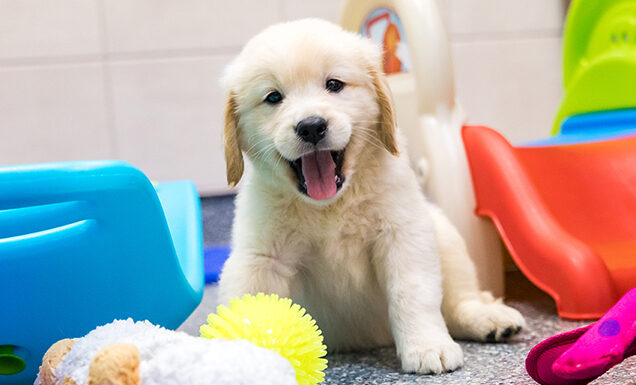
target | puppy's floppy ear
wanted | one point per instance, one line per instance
(386, 127)
(233, 156)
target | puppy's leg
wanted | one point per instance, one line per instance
(470, 313)
(251, 273)
(406, 262)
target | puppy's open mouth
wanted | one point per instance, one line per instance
(319, 173)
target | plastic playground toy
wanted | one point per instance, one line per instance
(420, 73)
(599, 73)
(565, 206)
(565, 212)
(277, 324)
(82, 243)
(579, 356)
(214, 258)
(599, 62)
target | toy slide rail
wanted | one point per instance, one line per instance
(566, 212)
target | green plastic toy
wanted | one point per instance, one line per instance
(599, 60)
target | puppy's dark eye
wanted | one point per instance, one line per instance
(334, 85)
(274, 97)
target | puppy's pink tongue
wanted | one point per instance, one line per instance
(319, 171)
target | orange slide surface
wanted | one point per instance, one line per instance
(567, 214)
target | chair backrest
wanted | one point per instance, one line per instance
(599, 59)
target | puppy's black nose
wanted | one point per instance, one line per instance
(311, 129)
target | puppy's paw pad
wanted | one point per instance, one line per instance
(501, 335)
(487, 321)
(508, 332)
(434, 357)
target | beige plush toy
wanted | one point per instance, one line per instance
(115, 364)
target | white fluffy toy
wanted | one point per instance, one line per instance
(138, 353)
(123, 352)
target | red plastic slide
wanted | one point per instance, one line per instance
(567, 214)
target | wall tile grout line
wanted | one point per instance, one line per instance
(504, 36)
(109, 102)
(282, 15)
(186, 53)
(50, 61)
(116, 57)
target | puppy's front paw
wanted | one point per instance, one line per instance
(486, 320)
(431, 357)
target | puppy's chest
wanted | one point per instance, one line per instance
(341, 246)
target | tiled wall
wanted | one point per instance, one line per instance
(507, 56)
(138, 79)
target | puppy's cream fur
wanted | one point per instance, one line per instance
(371, 263)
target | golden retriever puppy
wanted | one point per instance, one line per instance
(330, 213)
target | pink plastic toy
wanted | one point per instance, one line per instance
(581, 355)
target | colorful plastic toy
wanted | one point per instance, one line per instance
(593, 127)
(581, 355)
(564, 205)
(599, 72)
(418, 61)
(599, 59)
(565, 212)
(82, 243)
(277, 324)
(214, 258)
(139, 353)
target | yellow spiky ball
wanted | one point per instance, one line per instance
(277, 324)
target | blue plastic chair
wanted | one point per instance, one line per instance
(83, 243)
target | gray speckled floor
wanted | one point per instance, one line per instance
(485, 363)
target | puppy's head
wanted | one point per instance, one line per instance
(305, 100)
